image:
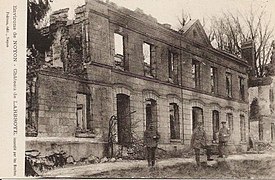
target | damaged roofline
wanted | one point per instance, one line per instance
(165, 27)
(129, 13)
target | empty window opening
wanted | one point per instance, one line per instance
(197, 116)
(229, 119)
(174, 121)
(196, 74)
(215, 124)
(173, 67)
(171, 62)
(149, 69)
(151, 112)
(242, 128)
(242, 95)
(83, 112)
(214, 80)
(123, 120)
(228, 81)
(119, 52)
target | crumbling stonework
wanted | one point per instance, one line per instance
(100, 82)
(262, 126)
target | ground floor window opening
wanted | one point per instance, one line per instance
(197, 116)
(124, 133)
(174, 121)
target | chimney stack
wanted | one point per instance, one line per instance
(248, 53)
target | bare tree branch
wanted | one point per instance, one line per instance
(230, 30)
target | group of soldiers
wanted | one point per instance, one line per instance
(198, 142)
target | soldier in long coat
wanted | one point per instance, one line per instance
(151, 138)
(199, 141)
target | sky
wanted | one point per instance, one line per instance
(168, 11)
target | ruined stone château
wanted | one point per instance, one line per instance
(114, 61)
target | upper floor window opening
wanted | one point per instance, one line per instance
(242, 94)
(171, 62)
(119, 58)
(173, 67)
(228, 85)
(214, 80)
(149, 69)
(195, 74)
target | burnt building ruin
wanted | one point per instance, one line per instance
(261, 100)
(114, 61)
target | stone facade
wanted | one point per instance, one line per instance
(262, 126)
(149, 98)
(261, 90)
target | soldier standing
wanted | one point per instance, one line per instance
(224, 135)
(151, 138)
(199, 141)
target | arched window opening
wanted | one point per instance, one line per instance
(174, 121)
(197, 116)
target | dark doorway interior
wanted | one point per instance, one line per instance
(123, 119)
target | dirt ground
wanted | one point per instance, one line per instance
(248, 166)
(248, 169)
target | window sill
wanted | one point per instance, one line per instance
(84, 135)
(149, 76)
(120, 68)
(175, 140)
(31, 134)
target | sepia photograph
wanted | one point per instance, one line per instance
(150, 89)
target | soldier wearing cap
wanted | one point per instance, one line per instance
(151, 138)
(199, 141)
(224, 135)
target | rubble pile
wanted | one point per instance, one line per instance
(59, 16)
(80, 14)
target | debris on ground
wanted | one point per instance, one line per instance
(253, 169)
(104, 159)
(93, 159)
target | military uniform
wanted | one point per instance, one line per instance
(199, 141)
(151, 138)
(224, 135)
